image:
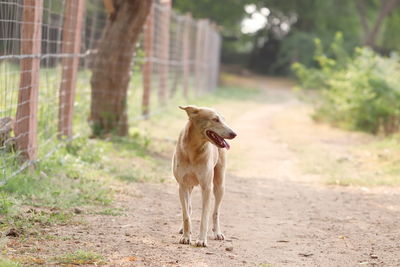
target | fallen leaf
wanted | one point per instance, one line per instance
(37, 260)
(306, 254)
(132, 258)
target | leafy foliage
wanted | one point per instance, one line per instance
(273, 49)
(226, 15)
(361, 92)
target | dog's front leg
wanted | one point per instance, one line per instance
(184, 195)
(190, 208)
(206, 199)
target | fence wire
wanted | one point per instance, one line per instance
(175, 57)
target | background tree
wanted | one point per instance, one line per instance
(371, 31)
(292, 25)
(111, 74)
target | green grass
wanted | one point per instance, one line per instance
(378, 164)
(74, 175)
(62, 180)
(111, 212)
(373, 163)
(80, 257)
(9, 263)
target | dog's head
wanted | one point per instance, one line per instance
(210, 124)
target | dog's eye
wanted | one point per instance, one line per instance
(216, 119)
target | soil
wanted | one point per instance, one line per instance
(274, 212)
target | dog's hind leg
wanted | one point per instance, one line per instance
(219, 189)
(184, 195)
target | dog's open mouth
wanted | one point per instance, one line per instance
(217, 140)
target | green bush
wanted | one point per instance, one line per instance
(360, 92)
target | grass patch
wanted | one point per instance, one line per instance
(129, 176)
(27, 261)
(373, 163)
(111, 212)
(63, 180)
(68, 178)
(136, 144)
(378, 164)
(9, 263)
(80, 257)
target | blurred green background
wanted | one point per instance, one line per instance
(267, 36)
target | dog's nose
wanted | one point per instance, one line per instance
(232, 135)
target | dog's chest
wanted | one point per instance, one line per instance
(192, 168)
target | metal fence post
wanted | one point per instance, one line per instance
(217, 50)
(186, 54)
(199, 52)
(164, 53)
(148, 65)
(213, 56)
(218, 58)
(71, 45)
(26, 117)
(206, 57)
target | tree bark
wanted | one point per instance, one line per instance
(386, 7)
(112, 66)
(361, 9)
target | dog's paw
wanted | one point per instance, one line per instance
(184, 240)
(181, 231)
(201, 243)
(219, 236)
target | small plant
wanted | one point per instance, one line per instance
(84, 149)
(80, 257)
(5, 203)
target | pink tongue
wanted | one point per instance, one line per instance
(227, 146)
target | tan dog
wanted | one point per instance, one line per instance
(200, 159)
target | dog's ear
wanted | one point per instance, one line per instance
(190, 110)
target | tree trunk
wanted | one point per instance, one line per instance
(362, 13)
(386, 8)
(112, 66)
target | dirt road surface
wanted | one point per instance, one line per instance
(274, 212)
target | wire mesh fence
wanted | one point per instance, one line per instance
(48, 52)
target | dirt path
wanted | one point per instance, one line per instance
(274, 213)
